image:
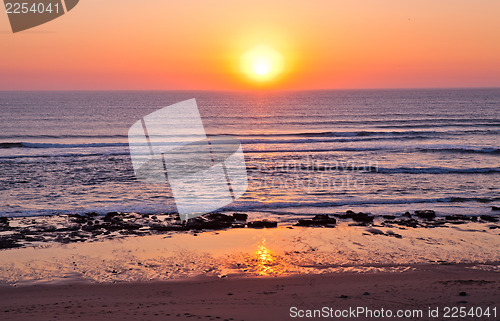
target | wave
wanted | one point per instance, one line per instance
(55, 145)
(382, 170)
(461, 150)
(260, 207)
(123, 150)
(257, 205)
(61, 136)
(394, 148)
(357, 133)
(436, 170)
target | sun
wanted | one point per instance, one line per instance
(262, 63)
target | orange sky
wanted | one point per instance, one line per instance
(158, 44)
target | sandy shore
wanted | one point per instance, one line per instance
(255, 274)
(268, 298)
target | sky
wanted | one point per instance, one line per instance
(199, 45)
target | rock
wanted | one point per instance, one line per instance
(427, 214)
(262, 224)
(318, 220)
(463, 293)
(495, 208)
(389, 217)
(375, 231)
(209, 225)
(8, 243)
(408, 222)
(77, 218)
(391, 233)
(240, 216)
(358, 217)
(166, 228)
(489, 218)
(406, 214)
(362, 217)
(112, 217)
(456, 217)
(348, 214)
(219, 217)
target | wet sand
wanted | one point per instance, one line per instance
(254, 274)
(265, 298)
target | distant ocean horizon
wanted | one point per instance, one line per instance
(307, 152)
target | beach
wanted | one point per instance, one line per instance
(265, 298)
(255, 274)
(383, 199)
(250, 161)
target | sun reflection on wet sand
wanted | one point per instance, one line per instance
(268, 262)
(263, 262)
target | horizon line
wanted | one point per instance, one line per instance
(260, 90)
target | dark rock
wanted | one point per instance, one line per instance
(473, 218)
(375, 231)
(406, 214)
(112, 217)
(389, 217)
(209, 225)
(456, 217)
(219, 217)
(238, 225)
(131, 226)
(427, 214)
(489, 218)
(77, 218)
(348, 214)
(366, 293)
(463, 293)
(318, 220)
(358, 217)
(240, 216)
(362, 217)
(408, 222)
(391, 233)
(495, 208)
(4, 223)
(166, 228)
(262, 224)
(8, 242)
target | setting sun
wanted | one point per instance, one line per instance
(262, 63)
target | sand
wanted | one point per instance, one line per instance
(255, 274)
(265, 298)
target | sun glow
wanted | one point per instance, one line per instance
(262, 63)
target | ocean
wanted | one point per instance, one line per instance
(311, 152)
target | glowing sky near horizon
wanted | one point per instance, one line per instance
(120, 45)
